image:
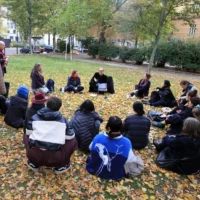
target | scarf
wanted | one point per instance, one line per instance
(143, 82)
(74, 77)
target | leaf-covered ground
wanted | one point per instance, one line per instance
(18, 182)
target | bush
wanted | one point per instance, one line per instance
(86, 42)
(62, 46)
(138, 55)
(124, 54)
(108, 51)
(93, 49)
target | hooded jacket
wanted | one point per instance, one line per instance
(48, 130)
(16, 112)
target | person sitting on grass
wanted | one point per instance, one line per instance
(142, 89)
(162, 97)
(38, 102)
(17, 107)
(196, 112)
(136, 127)
(86, 123)
(38, 83)
(73, 83)
(3, 105)
(176, 117)
(184, 146)
(187, 86)
(49, 139)
(110, 152)
(98, 78)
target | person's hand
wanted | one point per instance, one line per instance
(95, 80)
(178, 111)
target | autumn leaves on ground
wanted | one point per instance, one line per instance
(18, 182)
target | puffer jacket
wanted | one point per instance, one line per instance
(136, 129)
(85, 125)
(48, 130)
(166, 95)
(16, 112)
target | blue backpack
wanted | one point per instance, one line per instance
(50, 85)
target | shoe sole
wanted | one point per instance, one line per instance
(60, 172)
(35, 170)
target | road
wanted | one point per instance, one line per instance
(11, 51)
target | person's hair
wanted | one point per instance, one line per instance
(192, 93)
(74, 72)
(87, 106)
(195, 101)
(191, 127)
(54, 103)
(114, 125)
(148, 75)
(184, 82)
(35, 69)
(2, 42)
(167, 83)
(196, 112)
(138, 108)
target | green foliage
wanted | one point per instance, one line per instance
(93, 49)
(62, 46)
(124, 54)
(87, 41)
(138, 55)
(108, 51)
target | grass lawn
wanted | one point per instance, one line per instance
(18, 182)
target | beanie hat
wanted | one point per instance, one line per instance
(23, 92)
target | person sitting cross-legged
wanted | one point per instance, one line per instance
(86, 123)
(183, 146)
(73, 84)
(16, 112)
(162, 97)
(111, 153)
(136, 127)
(142, 89)
(49, 139)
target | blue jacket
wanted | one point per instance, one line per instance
(48, 130)
(136, 129)
(108, 156)
(73, 82)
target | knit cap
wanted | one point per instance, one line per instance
(23, 92)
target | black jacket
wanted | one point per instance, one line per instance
(83, 124)
(136, 128)
(143, 89)
(101, 79)
(16, 112)
(166, 95)
(180, 147)
(48, 130)
(37, 81)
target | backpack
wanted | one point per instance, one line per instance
(50, 85)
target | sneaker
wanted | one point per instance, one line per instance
(158, 124)
(133, 97)
(62, 169)
(32, 166)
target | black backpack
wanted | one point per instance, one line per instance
(50, 85)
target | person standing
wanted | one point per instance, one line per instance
(3, 59)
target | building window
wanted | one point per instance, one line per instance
(8, 31)
(14, 31)
(192, 29)
(196, 6)
(11, 37)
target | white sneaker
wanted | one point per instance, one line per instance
(63, 89)
(133, 97)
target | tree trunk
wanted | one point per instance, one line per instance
(136, 42)
(54, 40)
(157, 38)
(49, 38)
(102, 38)
(30, 25)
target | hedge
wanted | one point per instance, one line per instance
(181, 54)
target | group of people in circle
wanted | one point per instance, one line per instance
(50, 139)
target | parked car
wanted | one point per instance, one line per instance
(25, 49)
(48, 48)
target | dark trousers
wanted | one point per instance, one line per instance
(3, 106)
(72, 89)
(159, 103)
